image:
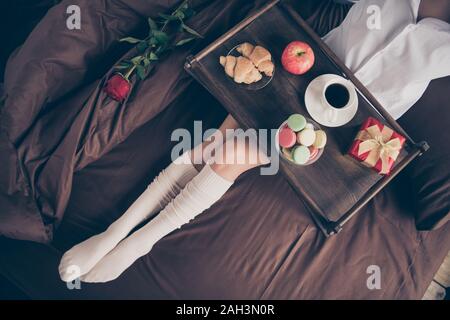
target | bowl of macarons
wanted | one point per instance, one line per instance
(300, 140)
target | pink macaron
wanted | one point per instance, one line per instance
(314, 152)
(287, 137)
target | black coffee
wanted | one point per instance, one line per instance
(337, 95)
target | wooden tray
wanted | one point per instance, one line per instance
(336, 186)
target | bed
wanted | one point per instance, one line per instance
(257, 242)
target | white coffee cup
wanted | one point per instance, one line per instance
(332, 113)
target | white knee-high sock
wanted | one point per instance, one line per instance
(159, 193)
(198, 195)
(166, 186)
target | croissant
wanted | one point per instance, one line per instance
(248, 67)
(228, 62)
(266, 67)
(262, 59)
(245, 49)
(241, 69)
(260, 56)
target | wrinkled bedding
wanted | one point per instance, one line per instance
(86, 158)
(56, 118)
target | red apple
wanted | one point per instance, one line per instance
(297, 58)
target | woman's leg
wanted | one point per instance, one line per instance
(82, 257)
(198, 156)
(164, 188)
(199, 194)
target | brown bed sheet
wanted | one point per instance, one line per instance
(256, 242)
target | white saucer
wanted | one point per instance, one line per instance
(318, 111)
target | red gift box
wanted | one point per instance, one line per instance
(377, 146)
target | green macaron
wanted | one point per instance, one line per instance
(301, 154)
(296, 122)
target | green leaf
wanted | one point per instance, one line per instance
(152, 56)
(184, 41)
(161, 36)
(125, 63)
(180, 15)
(188, 13)
(158, 42)
(152, 24)
(137, 59)
(142, 46)
(130, 40)
(121, 67)
(168, 17)
(140, 72)
(184, 5)
(191, 31)
(152, 41)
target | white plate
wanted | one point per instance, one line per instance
(265, 80)
(318, 111)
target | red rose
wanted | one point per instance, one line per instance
(117, 87)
